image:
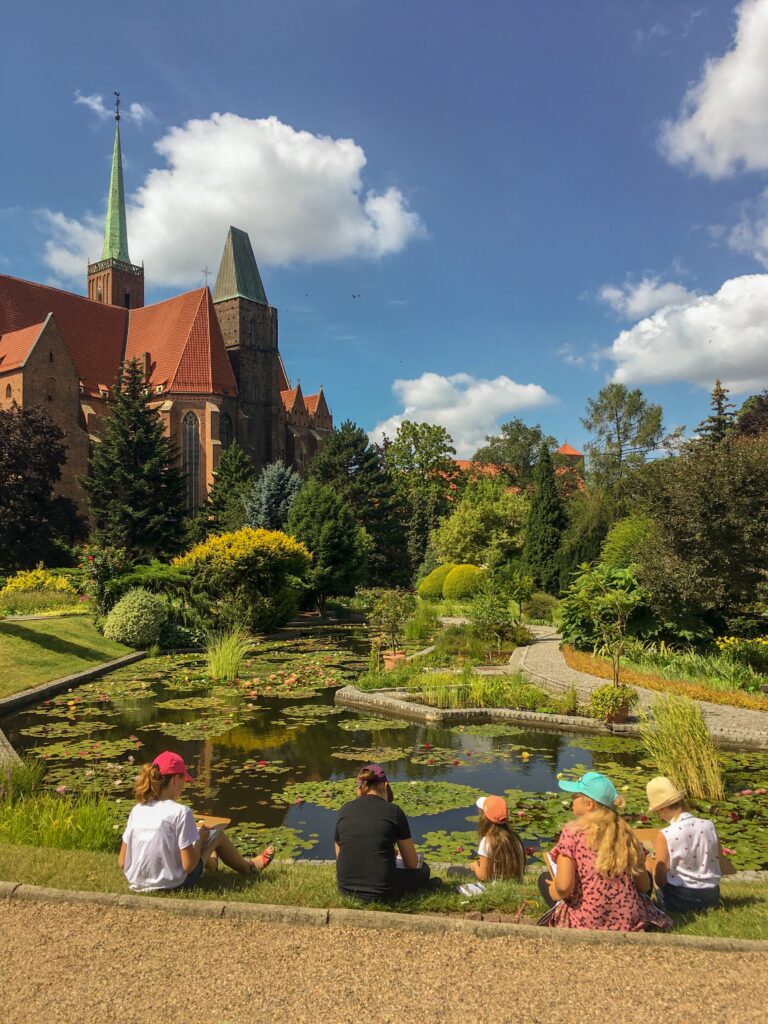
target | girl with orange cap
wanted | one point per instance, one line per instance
(501, 854)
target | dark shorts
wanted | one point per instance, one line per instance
(192, 878)
(680, 898)
(406, 880)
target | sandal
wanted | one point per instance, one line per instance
(266, 857)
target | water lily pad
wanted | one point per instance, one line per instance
(251, 838)
(53, 730)
(190, 703)
(87, 748)
(369, 755)
(207, 727)
(449, 847)
(372, 724)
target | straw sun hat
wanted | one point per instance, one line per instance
(662, 792)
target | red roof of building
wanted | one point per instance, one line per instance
(94, 332)
(289, 397)
(566, 449)
(183, 338)
(478, 468)
(181, 334)
(15, 346)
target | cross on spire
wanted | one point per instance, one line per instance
(117, 106)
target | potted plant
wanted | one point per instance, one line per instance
(390, 612)
(612, 703)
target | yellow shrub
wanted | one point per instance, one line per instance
(226, 550)
(36, 579)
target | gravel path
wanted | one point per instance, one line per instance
(87, 965)
(543, 662)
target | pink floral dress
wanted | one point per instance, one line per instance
(600, 902)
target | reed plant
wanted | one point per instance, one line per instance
(65, 822)
(422, 624)
(678, 741)
(226, 651)
(21, 778)
(715, 671)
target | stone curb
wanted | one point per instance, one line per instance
(426, 924)
(20, 700)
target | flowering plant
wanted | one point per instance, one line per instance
(752, 651)
(101, 565)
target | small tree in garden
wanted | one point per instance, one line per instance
(721, 419)
(598, 607)
(390, 612)
(135, 492)
(268, 502)
(490, 616)
(546, 525)
(325, 524)
(225, 509)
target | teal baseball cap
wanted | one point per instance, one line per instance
(595, 785)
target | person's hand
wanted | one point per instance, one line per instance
(553, 891)
(205, 834)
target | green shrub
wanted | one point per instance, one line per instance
(568, 703)
(540, 607)
(136, 619)
(607, 702)
(101, 565)
(431, 587)
(253, 577)
(64, 822)
(176, 635)
(157, 577)
(225, 652)
(389, 614)
(625, 541)
(463, 581)
(750, 651)
(677, 739)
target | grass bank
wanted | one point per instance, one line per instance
(744, 913)
(581, 661)
(39, 650)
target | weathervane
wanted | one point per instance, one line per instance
(117, 106)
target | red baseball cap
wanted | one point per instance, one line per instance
(494, 808)
(169, 763)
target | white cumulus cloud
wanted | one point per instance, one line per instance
(135, 112)
(723, 122)
(640, 298)
(300, 196)
(468, 407)
(723, 335)
(750, 235)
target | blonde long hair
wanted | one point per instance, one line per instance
(614, 842)
(149, 783)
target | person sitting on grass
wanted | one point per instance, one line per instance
(367, 830)
(687, 854)
(501, 854)
(600, 879)
(162, 847)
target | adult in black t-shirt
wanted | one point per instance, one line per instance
(367, 830)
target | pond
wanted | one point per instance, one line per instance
(275, 754)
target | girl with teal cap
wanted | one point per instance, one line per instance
(599, 879)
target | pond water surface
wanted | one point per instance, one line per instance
(275, 754)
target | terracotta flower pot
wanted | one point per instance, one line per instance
(392, 659)
(618, 717)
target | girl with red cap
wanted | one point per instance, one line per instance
(501, 854)
(162, 846)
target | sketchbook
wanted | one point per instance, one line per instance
(471, 889)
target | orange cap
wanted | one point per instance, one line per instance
(494, 808)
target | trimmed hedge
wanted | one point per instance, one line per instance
(462, 581)
(431, 587)
(136, 619)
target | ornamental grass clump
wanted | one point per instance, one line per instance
(677, 739)
(61, 821)
(225, 652)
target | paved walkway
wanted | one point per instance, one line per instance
(69, 964)
(543, 662)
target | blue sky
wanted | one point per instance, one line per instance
(520, 184)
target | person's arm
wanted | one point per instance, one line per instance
(661, 860)
(122, 855)
(481, 868)
(561, 887)
(642, 877)
(191, 841)
(338, 850)
(408, 853)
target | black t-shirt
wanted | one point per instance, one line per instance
(366, 830)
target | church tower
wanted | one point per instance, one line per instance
(249, 327)
(114, 279)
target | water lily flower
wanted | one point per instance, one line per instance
(61, 789)
(560, 775)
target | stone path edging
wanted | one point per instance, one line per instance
(374, 919)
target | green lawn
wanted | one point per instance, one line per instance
(744, 913)
(38, 650)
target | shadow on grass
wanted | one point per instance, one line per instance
(52, 643)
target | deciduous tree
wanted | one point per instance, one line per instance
(514, 450)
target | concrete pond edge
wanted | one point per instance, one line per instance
(424, 924)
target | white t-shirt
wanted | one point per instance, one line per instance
(155, 834)
(484, 847)
(694, 852)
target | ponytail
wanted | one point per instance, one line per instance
(149, 783)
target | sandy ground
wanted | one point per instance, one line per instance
(62, 963)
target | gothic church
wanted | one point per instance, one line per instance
(212, 362)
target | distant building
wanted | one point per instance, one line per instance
(212, 363)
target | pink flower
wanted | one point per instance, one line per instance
(530, 850)
(459, 849)
(426, 746)
(61, 789)
(520, 814)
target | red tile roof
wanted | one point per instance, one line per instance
(15, 346)
(289, 397)
(566, 449)
(94, 332)
(183, 338)
(479, 468)
(310, 401)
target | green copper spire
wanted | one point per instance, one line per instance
(115, 231)
(238, 275)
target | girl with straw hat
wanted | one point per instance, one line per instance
(687, 852)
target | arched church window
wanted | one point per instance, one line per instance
(8, 391)
(51, 389)
(226, 433)
(50, 356)
(190, 458)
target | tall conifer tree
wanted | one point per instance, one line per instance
(268, 502)
(546, 524)
(721, 419)
(232, 477)
(135, 492)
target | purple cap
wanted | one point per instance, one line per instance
(377, 771)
